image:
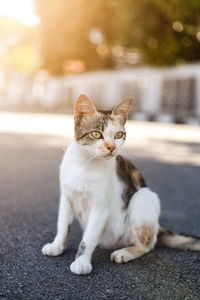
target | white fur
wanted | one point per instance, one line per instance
(91, 191)
(81, 265)
(121, 255)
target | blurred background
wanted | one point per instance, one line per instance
(52, 51)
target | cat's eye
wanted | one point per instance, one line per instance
(96, 134)
(119, 135)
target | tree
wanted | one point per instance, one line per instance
(19, 46)
(165, 32)
(65, 32)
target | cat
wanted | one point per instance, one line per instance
(107, 194)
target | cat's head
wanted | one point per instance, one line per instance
(100, 133)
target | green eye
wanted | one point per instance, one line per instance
(96, 134)
(119, 135)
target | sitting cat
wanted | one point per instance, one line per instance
(106, 193)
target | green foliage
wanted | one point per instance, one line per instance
(166, 32)
(179, 40)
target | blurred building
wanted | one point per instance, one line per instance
(160, 94)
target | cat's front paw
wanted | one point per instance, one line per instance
(121, 256)
(81, 266)
(52, 249)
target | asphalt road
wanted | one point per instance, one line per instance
(29, 192)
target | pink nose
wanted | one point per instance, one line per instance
(111, 147)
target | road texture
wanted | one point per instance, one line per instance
(29, 167)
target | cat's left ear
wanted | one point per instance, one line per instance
(122, 109)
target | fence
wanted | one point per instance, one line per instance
(165, 94)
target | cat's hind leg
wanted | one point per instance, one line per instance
(65, 218)
(142, 223)
(144, 242)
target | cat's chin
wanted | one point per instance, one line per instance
(109, 156)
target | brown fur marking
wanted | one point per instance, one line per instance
(145, 234)
(81, 249)
(135, 250)
(66, 238)
(177, 240)
(136, 178)
(86, 123)
(125, 170)
(88, 119)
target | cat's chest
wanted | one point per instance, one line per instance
(79, 182)
(81, 204)
(80, 189)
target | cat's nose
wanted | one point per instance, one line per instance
(111, 147)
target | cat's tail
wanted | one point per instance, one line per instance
(177, 240)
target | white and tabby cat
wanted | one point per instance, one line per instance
(106, 193)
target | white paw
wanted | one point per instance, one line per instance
(52, 249)
(121, 256)
(81, 266)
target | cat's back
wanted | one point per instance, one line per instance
(130, 177)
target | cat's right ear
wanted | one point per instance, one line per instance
(121, 110)
(84, 106)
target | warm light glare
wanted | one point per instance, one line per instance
(152, 43)
(74, 66)
(177, 26)
(198, 36)
(95, 36)
(22, 10)
(102, 49)
(117, 51)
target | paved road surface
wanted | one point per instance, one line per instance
(28, 212)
